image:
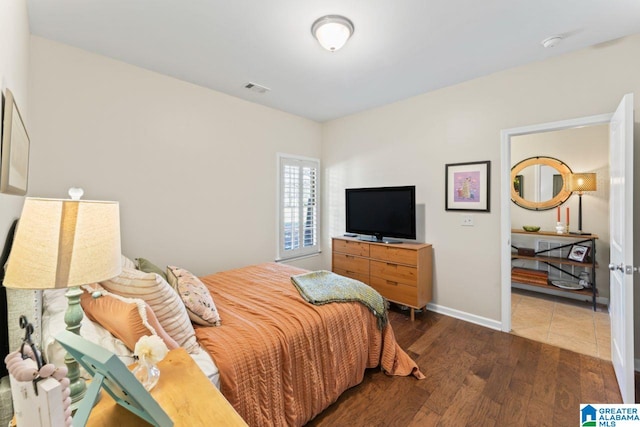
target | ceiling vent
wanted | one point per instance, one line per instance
(253, 87)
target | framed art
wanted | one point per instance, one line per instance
(14, 155)
(467, 186)
(578, 253)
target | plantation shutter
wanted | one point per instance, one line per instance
(299, 207)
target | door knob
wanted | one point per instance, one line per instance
(627, 269)
(614, 267)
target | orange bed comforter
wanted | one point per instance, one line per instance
(282, 360)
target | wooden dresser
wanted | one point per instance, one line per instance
(401, 272)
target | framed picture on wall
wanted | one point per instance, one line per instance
(14, 154)
(467, 186)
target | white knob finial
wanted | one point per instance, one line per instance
(75, 193)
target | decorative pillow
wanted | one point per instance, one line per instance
(163, 300)
(53, 323)
(195, 295)
(126, 318)
(149, 267)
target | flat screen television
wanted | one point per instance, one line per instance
(381, 212)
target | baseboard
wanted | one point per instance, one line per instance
(467, 317)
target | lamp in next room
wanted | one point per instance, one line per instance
(65, 244)
(582, 182)
(332, 31)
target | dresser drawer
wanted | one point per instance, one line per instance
(395, 291)
(394, 254)
(364, 278)
(350, 263)
(351, 247)
(394, 272)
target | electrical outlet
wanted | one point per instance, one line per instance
(467, 220)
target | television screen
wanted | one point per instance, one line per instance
(382, 212)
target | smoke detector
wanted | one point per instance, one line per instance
(551, 41)
(254, 87)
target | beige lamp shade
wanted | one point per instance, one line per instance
(583, 182)
(64, 243)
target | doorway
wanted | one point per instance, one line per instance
(541, 311)
(506, 138)
(621, 232)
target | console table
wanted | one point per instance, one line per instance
(559, 264)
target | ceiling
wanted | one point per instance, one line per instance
(400, 48)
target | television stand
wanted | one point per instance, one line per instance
(401, 273)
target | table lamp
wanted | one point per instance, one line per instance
(582, 182)
(65, 244)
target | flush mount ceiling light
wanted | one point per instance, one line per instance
(551, 41)
(332, 31)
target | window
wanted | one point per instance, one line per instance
(298, 206)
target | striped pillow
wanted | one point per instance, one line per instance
(163, 300)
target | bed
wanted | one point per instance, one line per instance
(278, 359)
(282, 360)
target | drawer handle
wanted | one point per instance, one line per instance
(392, 264)
(389, 282)
(349, 256)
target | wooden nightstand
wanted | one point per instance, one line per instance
(183, 391)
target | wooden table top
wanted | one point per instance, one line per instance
(183, 391)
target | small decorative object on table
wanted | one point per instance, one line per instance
(531, 228)
(560, 228)
(566, 284)
(578, 253)
(149, 351)
(585, 279)
(40, 390)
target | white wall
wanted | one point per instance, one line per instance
(409, 142)
(194, 170)
(14, 71)
(14, 74)
(584, 149)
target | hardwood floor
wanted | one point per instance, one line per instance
(475, 377)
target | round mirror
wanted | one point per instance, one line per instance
(540, 183)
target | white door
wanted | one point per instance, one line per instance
(621, 219)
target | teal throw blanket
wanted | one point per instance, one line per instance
(322, 287)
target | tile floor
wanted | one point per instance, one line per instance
(561, 322)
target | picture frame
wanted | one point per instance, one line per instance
(578, 253)
(467, 186)
(14, 152)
